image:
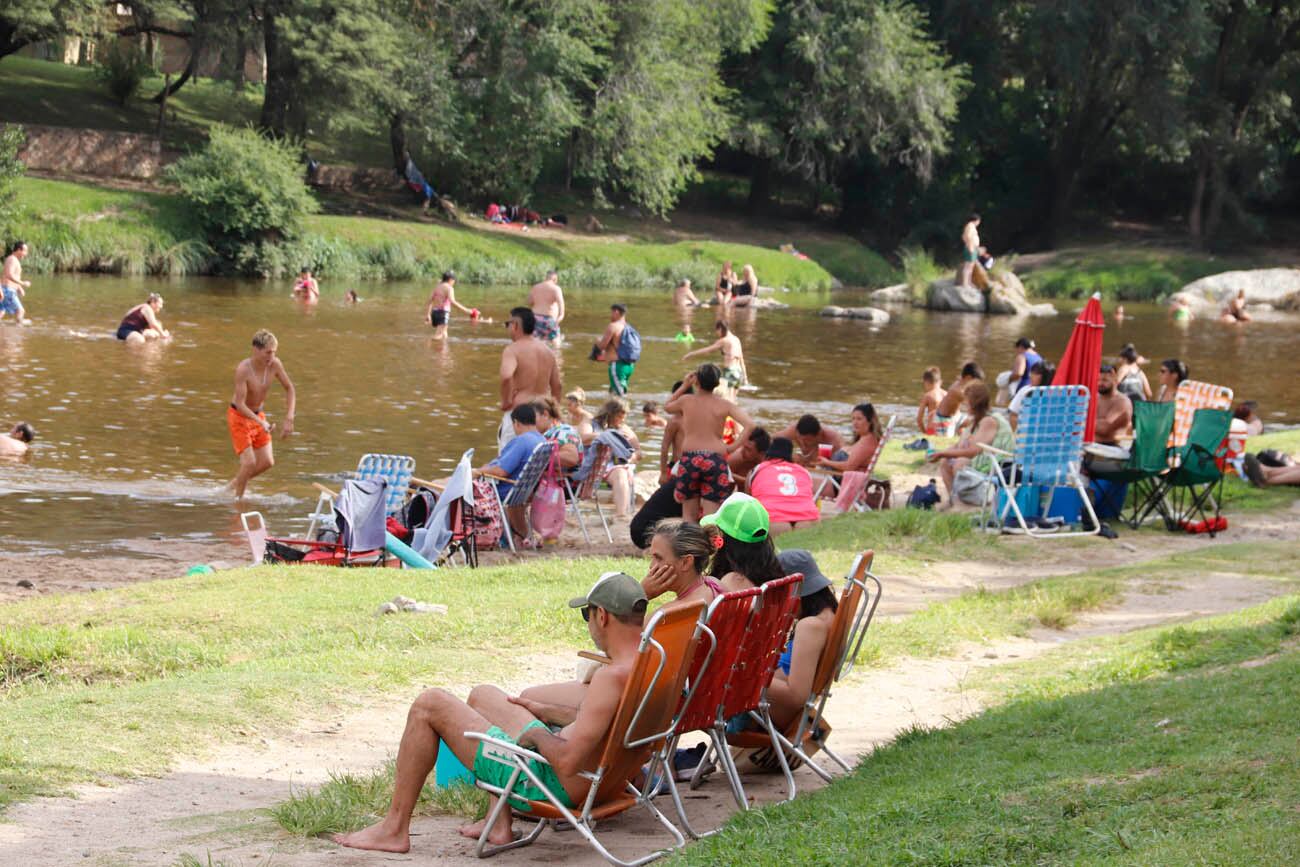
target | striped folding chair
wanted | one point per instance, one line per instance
(1049, 453)
(1190, 397)
(588, 488)
(830, 486)
(521, 492)
(394, 469)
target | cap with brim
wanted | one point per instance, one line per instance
(741, 517)
(616, 592)
(799, 560)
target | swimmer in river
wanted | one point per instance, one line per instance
(438, 311)
(250, 432)
(650, 414)
(547, 302)
(141, 323)
(14, 444)
(13, 286)
(306, 290)
(683, 296)
(351, 297)
(1235, 310)
(734, 373)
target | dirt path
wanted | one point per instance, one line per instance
(215, 804)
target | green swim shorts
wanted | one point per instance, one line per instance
(619, 374)
(968, 255)
(496, 772)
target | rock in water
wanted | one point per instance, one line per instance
(1006, 297)
(870, 314)
(1279, 287)
(900, 293)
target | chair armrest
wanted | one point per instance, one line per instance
(594, 657)
(501, 477)
(988, 448)
(507, 746)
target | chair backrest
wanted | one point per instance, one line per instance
(765, 638)
(849, 626)
(1049, 436)
(1205, 442)
(852, 485)
(256, 535)
(1190, 397)
(599, 466)
(394, 469)
(526, 485)
(728, 619)
(651, 697)
(1152, 425)
(880, 446)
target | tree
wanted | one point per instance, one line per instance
(11, 169)
(23, 22)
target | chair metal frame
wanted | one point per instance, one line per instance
(1176, 496)
(834, 484)
(522, 489)
(589, 487)
(397, 470)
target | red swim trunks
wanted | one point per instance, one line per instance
(244, 432)
(705, 475)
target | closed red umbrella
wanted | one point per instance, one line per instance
(1081, 361)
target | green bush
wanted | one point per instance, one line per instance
(919, 270)
(11, 168)
(248, 193)
(122, 72)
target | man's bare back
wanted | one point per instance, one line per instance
(952, 400)
(704, 415)
(528, 371)
(547, 299)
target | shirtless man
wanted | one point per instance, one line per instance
(951, 403)
(970, 247)
(931, 397)
(702, 477)
(614, 610)
(250, 432)
(808, 434)
(14, 444)
(1114, 409)
(547, 301)
(606, 350)
(306, 289)
(734, 374)
(528, 371)
(683, 296)
(441, 300)
(1235, 309)
(746, 454)
(670, 448)
(13, 286)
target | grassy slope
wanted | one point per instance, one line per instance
(1156, 747)
(1127, 274)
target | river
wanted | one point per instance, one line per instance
(132, 442)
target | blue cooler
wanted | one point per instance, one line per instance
(1028, 498)
(1067, 505)
(1108, 498)
(448, 768)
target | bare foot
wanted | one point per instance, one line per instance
(497, 838)
(376, 838)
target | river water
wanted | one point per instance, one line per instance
(132, 442)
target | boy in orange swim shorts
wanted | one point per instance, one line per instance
(250, 432)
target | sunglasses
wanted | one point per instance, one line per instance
(585, 611)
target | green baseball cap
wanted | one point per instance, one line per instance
(616, 592)
(741, 517)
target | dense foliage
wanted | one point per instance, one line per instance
(11, 168)
(248, 193)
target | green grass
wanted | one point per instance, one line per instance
(1185, 757)
(1130, 275)
(55, 94)
(80, 227)
(855, 264)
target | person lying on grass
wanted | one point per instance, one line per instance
(680, 552)
(614, 610)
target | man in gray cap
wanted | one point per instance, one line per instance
(614, 610)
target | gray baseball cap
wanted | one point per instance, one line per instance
(616, 592)
(799, 560)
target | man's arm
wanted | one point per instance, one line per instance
(589, 727)
(241, 398)
(676, 401)
(509, 364)
(703, 350)
(451, 296)
(290, 398)
(559, 294)
(548, 712)
(428, 308)
(557, 388)
(742, 418)
(666, 447)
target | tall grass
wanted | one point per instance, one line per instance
(919, 270)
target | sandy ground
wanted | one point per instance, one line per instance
(213, 803)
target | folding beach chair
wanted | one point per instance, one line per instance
(396, 470)
(1190, 397)
(765, 637)
(644, 720)
(725, 624)
(831, 487)
(1148, 459)
(1049, 453)
(809, 731)
(1195, 483)
(448, 529)
(256, 536)
(521, 492)
(588, 488)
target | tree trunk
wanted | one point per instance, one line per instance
(170, 90)
(1196, 214)
(283, 114)
(397, 140)
(760, 184)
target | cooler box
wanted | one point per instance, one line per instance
(448, 768)
(1108, 498)
(1028, 498)
(1067, 505)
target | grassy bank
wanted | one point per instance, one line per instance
(77, 227)
(1158, 747)
(1126, 275)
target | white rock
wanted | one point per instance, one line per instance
(870, 314)
(1279, 287)
(897, 294)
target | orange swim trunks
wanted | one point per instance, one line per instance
(245, 432)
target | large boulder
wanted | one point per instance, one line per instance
(898, 294)
(870, 314)
(1278, 287)
(1006, 297)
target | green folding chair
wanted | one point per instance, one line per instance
(1148, 459)
(1195, 484)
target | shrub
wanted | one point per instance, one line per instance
(122, 72)
(920, 270)
(11, 168)
(248, 194)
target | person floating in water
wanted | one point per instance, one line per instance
(650, 415)
(1235, 310)
(250, 432)
(306, 289)
(351, 297)
(141, 323)
(12, 285)
(684, 296)
(438, 311)
(14, 444)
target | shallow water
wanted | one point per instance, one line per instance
(133, 443)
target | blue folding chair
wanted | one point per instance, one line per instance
(522, 491)
(1048, 455)
(394, 469)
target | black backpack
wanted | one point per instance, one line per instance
(924, 497)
